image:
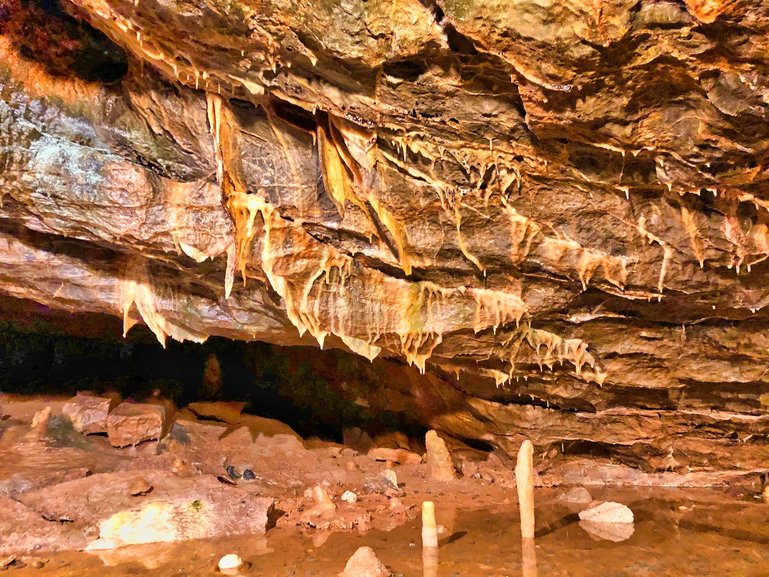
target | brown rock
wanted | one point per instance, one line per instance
(139, 487)
(364, 563)
(88, 413)
(438, 458)
(132, 423)
(180, 508)
(23, 530)
(399, 456)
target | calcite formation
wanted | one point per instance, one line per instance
(556, 209)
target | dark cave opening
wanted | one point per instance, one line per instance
(62, 41)
(318, 393)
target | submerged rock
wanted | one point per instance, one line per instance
(364, 563)
(616, 532)
(607, 512)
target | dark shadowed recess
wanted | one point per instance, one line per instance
(43, 351)
(52, 33)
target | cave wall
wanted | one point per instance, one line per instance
(555, 210)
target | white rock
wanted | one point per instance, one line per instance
(608, 531)
(391, 478)
(349, 497)
(229, 564)
(607, 512)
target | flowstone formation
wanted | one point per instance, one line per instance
(556, 209)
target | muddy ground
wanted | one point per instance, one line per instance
(219, 480)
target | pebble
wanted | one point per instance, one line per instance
(349, 497)
(232, 472)
(229, 564)
(391, 478)
(248, 475)
(140, 487)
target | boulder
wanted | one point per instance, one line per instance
(133, 423)
(88, 413)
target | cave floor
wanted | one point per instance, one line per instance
(57, 488)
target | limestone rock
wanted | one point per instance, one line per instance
(88, 413)
(616, 532)
(349, 497)
(439, 458)
(606, 512)
(230, 564)
(133, 423)
(179, 508)
(364, 563)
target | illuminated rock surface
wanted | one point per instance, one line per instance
(554, 209)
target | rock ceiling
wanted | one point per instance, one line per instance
(562, 203)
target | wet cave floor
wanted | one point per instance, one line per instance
(58, 486)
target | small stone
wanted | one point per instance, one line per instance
(364, 563)
(439, 459)
(229, 564)
(232, 472)
(41, 418)
(323, 501)
(349, 497)
(607, 512)
(248, 475)
(133, 423)
(390, 478)
(140, 487)
(88, 413)
(7, 561)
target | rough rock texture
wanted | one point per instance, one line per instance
(179, 508)
(364, 563)
(133, 423)
(560, 203)
(88, 413)
(438, 458)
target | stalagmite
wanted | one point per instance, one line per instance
(524, 482)
(429, 528)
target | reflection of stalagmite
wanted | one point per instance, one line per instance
(528, 558)
(430, 559)
(524, 482)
